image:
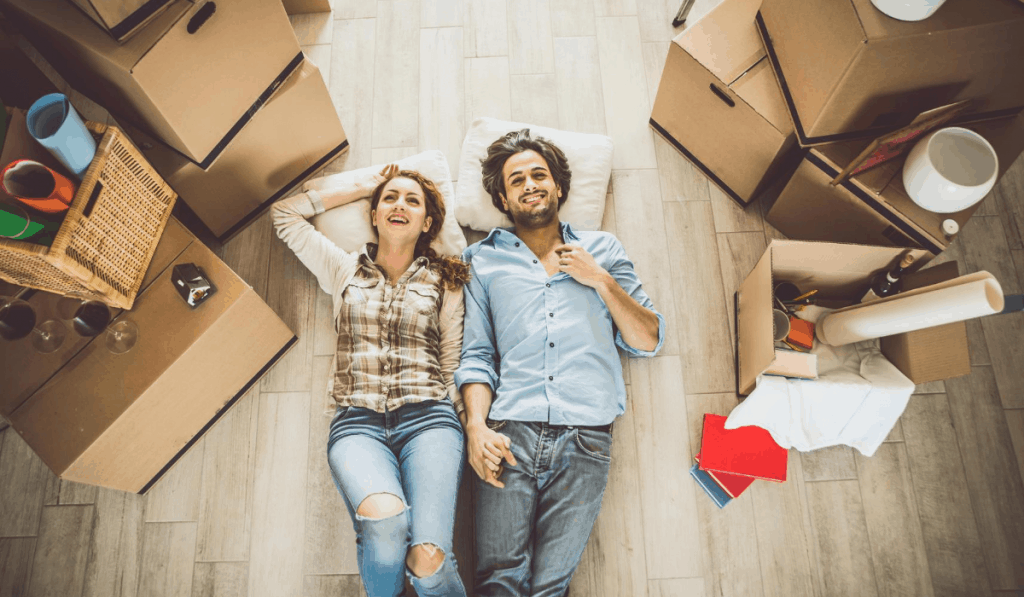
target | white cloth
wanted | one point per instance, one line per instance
(856, 400)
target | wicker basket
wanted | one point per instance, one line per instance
(107, 240)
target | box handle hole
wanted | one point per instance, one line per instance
(96, 190)
(721, 95)
(201, 16)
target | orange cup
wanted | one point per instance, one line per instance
(37, 186)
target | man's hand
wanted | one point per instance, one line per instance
(487, 449)
(578, 263)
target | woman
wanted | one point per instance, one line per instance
(395, 447)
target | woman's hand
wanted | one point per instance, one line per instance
(373, 180)
(487, 449)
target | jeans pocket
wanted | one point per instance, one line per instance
(496, 425)
(597, 444)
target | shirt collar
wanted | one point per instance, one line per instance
(509, 234)
(369, 252)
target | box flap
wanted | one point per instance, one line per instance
(725, 40)
(755, 347)
(759, 88)
(838, 271)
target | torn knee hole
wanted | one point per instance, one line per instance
(424, 559)
(380, 505)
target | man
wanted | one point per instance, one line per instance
(540, 376)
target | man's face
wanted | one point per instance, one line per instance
(531, 194)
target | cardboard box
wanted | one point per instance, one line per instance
(295, 134)
(122, 18)
(840, 272)
(873, 207)
(21, 81)
(193, 77)
(33, 368)
(296, 7)
(121, 421)
(719, 105)
(849, 71)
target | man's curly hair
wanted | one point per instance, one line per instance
(517, 142)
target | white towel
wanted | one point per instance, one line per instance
(856, 400)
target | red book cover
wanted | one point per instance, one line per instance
(748, 451)
(733, 485)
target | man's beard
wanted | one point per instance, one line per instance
(536, 218)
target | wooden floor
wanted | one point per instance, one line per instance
(251, 510)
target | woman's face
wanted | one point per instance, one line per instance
(401, 215)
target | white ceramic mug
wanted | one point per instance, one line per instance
(950, 170)
(908, 10)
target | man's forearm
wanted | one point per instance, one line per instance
(477, 399)
(638, 325)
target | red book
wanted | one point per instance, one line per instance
(748, 451)
(733, 485)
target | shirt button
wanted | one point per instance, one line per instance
(517, 244)
(551, 314)
(535, 261)
(551, 344)
(548, 285)
(551, 378)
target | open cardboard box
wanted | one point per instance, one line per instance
(719, 105)
(850, 71)
(841, 273)
(873, 207)
(192, 77)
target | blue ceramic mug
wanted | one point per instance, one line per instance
(53, 121)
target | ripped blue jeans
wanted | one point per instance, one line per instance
(415, 453)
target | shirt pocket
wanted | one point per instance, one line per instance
(422, 298)
(358, 291)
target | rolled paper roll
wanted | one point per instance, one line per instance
(53, 121)
(37, 186)
(975, 296)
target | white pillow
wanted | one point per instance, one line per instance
(589, 156)
(349, 226)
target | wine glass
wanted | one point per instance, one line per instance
(121, 336)
(18, 320)
(91, 318)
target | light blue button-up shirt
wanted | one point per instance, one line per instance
(546, 345)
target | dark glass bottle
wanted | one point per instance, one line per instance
(887, 283)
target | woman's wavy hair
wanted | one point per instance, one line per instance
(517, 142)
(454, 272)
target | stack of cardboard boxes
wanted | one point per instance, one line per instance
(203, 87)
(772, 99)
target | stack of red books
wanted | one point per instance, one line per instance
(734, 458)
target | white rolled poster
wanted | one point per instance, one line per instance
(966, 297)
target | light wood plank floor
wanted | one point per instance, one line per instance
(252, 510)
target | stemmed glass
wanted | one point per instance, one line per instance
(91, 318)
(18, 320)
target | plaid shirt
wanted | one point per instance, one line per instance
(389, 338)
(396, 344)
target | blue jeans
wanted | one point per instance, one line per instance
(530, 535)
(415, 453)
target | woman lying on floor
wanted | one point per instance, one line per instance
(395, 446)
